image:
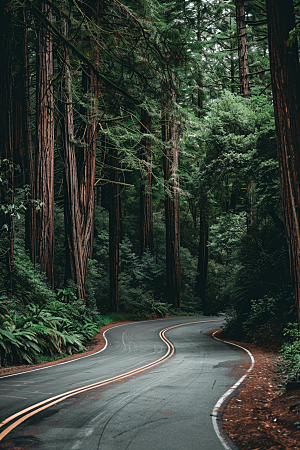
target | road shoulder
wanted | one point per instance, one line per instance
(260, 416)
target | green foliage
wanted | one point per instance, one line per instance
(140, 281)
(29, 284)
(59, 327)
(290, 351)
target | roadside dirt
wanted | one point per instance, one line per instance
(97, 343)
(260, 416)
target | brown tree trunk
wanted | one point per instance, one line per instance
(200, 83)
(6, 142)
(45, 145)
(285, 76)
(23, 141)
(72, 212)
(86, 155)
(114, 231)
(172, 211)
(86, 159)
(79, 174)
(202, 261)
(242, 48)
(110, 200)
(146, 209)
(232, 71)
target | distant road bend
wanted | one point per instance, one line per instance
(153, 388)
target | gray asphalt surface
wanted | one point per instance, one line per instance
(166, 408)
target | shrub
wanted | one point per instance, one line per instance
(290, 351)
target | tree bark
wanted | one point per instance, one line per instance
(242, 48)
(172, 211)
(146, 208)
(202, 261)
(285, 77)
(79, 172)
(72, 212)
(45, 145)
(200, 83)
(23, 142)
(6, 142)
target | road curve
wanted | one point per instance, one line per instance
(150, 389)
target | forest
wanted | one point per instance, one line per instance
(149, 166)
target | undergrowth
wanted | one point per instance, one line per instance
(289, 363)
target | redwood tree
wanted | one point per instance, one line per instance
(23, 138)
(45, 144)
(285, 76)
(79, 168)
(172, 210)
(6, 141)
(242, 49)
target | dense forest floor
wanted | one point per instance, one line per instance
(261, 416)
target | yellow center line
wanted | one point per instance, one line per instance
(36, 408)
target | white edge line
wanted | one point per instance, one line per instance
(229, 392)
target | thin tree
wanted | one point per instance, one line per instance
(172, 210)
(146, 208)
(45, 144)
(242, 48)
(202, 260)
(285, 76)
(6, 141)
(110, 200)
(23, 142)
(114, 229)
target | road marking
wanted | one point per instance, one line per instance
(221, 435)
(13, 396)
(26, 413)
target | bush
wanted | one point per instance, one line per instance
(290, 351)
(29, 285)
(56, 328)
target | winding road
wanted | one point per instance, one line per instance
(154, 387)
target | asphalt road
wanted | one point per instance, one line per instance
(166, 406)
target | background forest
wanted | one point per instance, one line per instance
(139, 173)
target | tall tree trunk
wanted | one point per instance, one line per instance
(86, 155)
(114, 231)
(200, 83)
(86, 160)
(242, 48)
(23, 142)
(6, 142)
(79, 173)
(285, 76)
(110, 200)
(202, 261)
(72, 212)
(231, 62)
(146, 209)
(172, 211)
(244, 88)
(29, 169)
(45, 145)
